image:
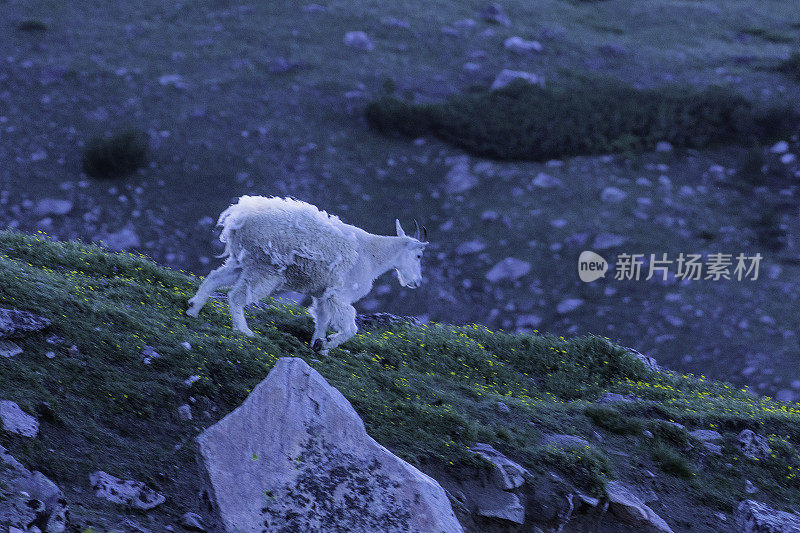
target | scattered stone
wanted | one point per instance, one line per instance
(663, 146)
(73, 351)
(148, 354)
(780, 147)
(519, 45)
(506, 474)
(788, 159)
(53, 206)
(459, 178)
(185, 412)
(494, 13)
(613, 194)
(565, 441)
(9, 349)
(192, 522)
(15, 323)
(604, 241)
(753, 446)
(546, 181)
(613, 397)
(186, 345)
(279, 65)
(568, 305)
(749, 488)
(174, 80)
(471, 67)
(528, 321)
(14, 420)
(630, 509)
(504, 506)
(756, 517)
(470, 247)
(133, 493)
(123, 239)
(506, 76)
(706, 435)
(299, 442)
(358, 40)
(509, 268)
(786, 395)
(190, 380)
(503, 408)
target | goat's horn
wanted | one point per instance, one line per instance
(417, 234)
(424, 233)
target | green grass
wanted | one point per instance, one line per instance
(118, 155)
(583, 116)
(32, 26)
(427, 393)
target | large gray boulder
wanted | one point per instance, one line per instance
(506, 474)
(755, 517)
(29, 499)
(295, 456)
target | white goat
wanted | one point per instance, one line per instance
(274, 243)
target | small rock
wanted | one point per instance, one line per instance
(494, 13)
(190, 380)
(14, 420)
(566, 441)
(613, 194)
(358, 40)
(663, 146)
(506, 474)
(471, 67)
(460, 179)
(53, 206)
(148, 354)
(132, 493)
(506, 76)
(192, 522)
(604, 241)
(706, 434)
(753, 445)
(546, 181)
(9, 349)
(123, 239)
(470, 247)
(613, 397)
(780, 147)
(73, 351)
(185, 412)
(186, 345)
(568, 305)
(175, 80)
(629, 508)
(521, 46)
(528, 321)
(503, 408)
(509, 268)
(788, 159)
(749, 488)
(15, 323)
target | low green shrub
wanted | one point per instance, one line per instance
(612, 420)
(583, 116)
(118, 155)
(671, 461)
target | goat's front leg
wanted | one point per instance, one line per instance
(343, 319)
(321, 313)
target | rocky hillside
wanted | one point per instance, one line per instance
(106, 384)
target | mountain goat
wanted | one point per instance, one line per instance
(274, 243)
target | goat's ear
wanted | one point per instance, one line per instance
(400, 232)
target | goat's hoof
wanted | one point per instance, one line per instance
(193, 312)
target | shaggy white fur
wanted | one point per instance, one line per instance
(282, 243)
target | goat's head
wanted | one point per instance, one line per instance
(409, 268)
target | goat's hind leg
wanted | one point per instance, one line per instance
(251, 287)
(227, 274)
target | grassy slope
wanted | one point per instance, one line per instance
(427, 393)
